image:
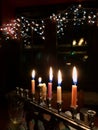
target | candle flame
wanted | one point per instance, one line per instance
(74, 74)
(39, 79)
(33, 73)
(50, 74)
(59, 77)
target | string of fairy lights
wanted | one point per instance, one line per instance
(23, 27)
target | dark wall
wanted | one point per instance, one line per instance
(9, 66)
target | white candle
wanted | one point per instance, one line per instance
(74, 88)
(59, 89)
(33, 82)
(50, 83)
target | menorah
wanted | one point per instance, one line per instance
(46, 107)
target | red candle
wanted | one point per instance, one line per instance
(74, 89)
(50, 84)
(59, 89)
(33, 82)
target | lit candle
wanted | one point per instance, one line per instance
(74, 88)
(33, 82)
(39, 80)
(40, 85)
(50, 84)
(59, 89)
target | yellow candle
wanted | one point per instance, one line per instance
(33, 82)
(74, 89)
(40, 85)
(59, 94)
(59, 89)
(44, 91)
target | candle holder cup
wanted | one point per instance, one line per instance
(40, 95)
(91, 118)
(59, 106)
(44, 98)
(73, 112)
(40, 99)
(44, 102)
(49, 102)
(33, 97)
